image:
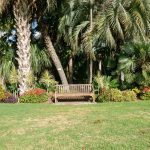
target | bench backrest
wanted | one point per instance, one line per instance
(74, 88)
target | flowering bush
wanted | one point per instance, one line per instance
(36, 91)
(145, 94)
(146, 89)
(34, 96)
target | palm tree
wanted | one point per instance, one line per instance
(22, 18)
(21, 11)
(74, 23)
(22, 14)
(120, 21)
(117, 22)
(134, 62)
(45, 9)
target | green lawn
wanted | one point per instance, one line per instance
(110, 126)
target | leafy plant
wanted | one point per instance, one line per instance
(48, 81)
(31, 79)
(116, 95)
(13, 77)
(145, 96)
(105, 82)
(134, 62)
(39, 59)
(136, 90)
(2, 93)
(104, 97)
(129, 95)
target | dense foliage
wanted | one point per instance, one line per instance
(115, 95)
(45, 42)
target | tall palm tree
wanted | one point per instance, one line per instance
(77, 19)
(22, 18)
(21, 11)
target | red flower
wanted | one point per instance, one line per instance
(146, 89)
(36, 91)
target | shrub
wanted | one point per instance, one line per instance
(104, 97)
(34, 96)
(129, 95)
(146, 89)
(36, 91)
(145, 96)
(10, 99)
(2, 93)
(136, 90)
(116, 95)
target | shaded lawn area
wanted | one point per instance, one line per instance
(110, 126)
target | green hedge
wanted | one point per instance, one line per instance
(115, 95)
(33, 98)
(145, 96)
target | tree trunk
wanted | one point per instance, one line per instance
(23, 43)
(55, 58)
(70, 69)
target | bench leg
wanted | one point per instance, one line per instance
(56, 100)
(93, 97)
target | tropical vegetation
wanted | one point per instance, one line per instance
(45, 42)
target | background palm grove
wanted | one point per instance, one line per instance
(45, 42)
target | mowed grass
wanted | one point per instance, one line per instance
(111, 126)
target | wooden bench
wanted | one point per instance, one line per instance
(75, 91)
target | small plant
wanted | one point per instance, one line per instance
(129, 95)
(136, 90)
(116, 95)
(31, 79)
(104, 97)
(146, 89)
(145, 96)
(104, 82)
(48, 81)
(2, 93)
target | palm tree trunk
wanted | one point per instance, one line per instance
(23, 43)
(55, 58)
